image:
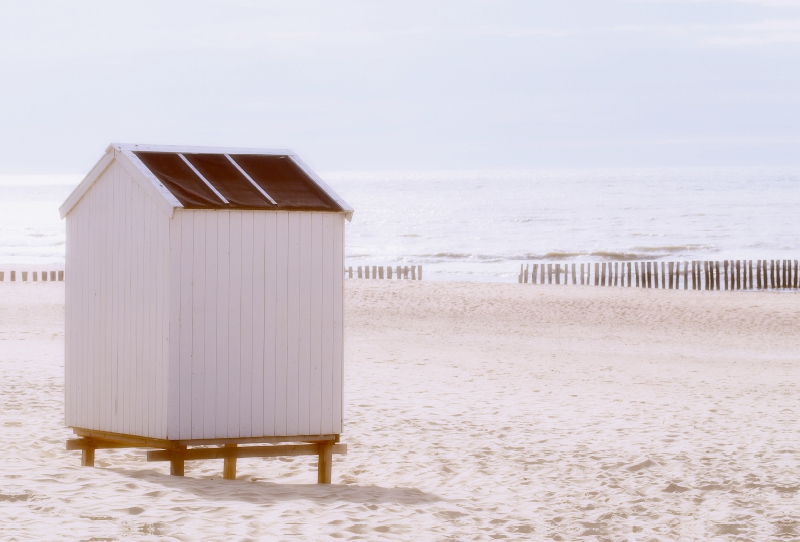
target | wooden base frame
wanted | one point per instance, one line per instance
(177, 452)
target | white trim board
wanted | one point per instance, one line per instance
(188, 149)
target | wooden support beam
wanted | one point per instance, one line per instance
(93, 444)
(279, 450)
(146, 442)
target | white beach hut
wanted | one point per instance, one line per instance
(204, 300)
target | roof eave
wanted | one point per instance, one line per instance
(345, 207)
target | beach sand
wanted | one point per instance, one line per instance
(472, 412)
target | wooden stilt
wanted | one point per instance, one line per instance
(87, 457)
(176, 462)
(325, 463)
(229, 466)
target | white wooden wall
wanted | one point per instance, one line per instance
(117, 319)
(256, 320)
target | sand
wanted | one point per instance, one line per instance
(473, 412)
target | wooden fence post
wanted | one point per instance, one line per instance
(725, 267)
(535, 274)
(359, 272)
(685, 275)
(405, 272)
(526, 273)
(573, 275)
(772, 273)
(389, 272)
(758, 274)
(413, 272)
(380, 272)
(419, 272)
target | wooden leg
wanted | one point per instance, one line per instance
(229, 467)
(325, 464)
(176, 463)
(87, 457)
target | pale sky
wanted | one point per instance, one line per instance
(435, 84)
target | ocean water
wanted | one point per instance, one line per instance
(480, 225)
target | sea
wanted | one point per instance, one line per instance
(482, 225)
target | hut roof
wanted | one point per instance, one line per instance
(219, 178)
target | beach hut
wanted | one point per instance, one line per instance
(204, 306)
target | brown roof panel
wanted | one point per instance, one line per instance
(285, 182)
(180, 180)
(229, 181)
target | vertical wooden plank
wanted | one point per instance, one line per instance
(596, 274)
(574, 278)
(235, 324)
(80, 360)
(304, 349)
(281, 323)
(173, 336)
(141, 351)
(162, 273)
(246, 367)
(315, 379)
(108, 300)
(187, 275)
(293, 315)
(270, 319)
(796, 281)
(207, 320)
(198, 320)
(89, 330)
(257, 385)
(118, 287)
(549, 273)
(338, 323)
(222, 292)
(114, 284)
(558, 273)
(148, 318)
(125, 377)
(326, 373)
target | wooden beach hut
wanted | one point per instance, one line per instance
(204, 306)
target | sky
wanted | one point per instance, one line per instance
(411, 85)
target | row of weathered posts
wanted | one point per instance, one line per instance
(35, 276)
(402, 272)
(695, 275)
